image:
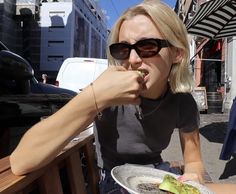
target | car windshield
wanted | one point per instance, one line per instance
(3, 47)
(34, 80)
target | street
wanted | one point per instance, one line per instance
(212, 130)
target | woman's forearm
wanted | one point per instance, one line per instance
(193, 164)
(47, 138)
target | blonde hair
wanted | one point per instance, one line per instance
(172, 29)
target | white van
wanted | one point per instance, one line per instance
(76, 73)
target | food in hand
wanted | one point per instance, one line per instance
(141, 73)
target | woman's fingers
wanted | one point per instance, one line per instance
(121, 86)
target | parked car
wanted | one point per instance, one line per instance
(23, 100)
(9, 58)
(77, 72)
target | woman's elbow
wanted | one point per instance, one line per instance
(18, 167)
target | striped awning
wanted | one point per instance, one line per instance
(215, 19)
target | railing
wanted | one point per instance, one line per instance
(49, 180)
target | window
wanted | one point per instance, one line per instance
(55, 58)
(52, 43)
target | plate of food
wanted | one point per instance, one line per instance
(138, 179)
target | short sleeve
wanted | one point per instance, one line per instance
(188, 114)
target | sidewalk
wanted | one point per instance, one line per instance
(212, 130)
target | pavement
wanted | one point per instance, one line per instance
(212, 131)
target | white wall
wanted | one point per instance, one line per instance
(233, 66)
(231, 70)
(56, 21)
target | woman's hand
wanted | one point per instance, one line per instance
(189, 177)
(116, 86)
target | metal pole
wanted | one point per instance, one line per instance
(225, 75)
(208, 59)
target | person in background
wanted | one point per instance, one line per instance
(229, 146)
(44, 77)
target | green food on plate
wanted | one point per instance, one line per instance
(171, 184)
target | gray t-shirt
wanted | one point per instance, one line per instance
(121, 137)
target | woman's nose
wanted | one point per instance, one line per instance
(134, 59)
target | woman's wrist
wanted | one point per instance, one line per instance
(99, 113)
(195, 168)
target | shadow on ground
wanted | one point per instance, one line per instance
(229, 169)
(214, 132)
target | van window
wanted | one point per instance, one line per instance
(77, 73)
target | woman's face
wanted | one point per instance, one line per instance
(156, 68)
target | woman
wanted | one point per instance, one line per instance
(151, 39)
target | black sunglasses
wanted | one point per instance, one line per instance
(145, 48)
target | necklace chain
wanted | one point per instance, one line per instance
(139, 112)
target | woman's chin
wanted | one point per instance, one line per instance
(145, 94)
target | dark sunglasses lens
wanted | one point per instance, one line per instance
(147, 48)
(119, 51)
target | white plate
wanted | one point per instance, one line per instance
(130, 176)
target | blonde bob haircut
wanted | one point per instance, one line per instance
(172, 29)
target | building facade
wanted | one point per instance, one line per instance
(213, 61)
(47, 32)
(19, 29)
(71, 29)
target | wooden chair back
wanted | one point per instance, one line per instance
(63, 175)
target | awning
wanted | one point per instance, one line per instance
(215, 19)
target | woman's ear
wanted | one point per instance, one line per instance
(178, 55)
